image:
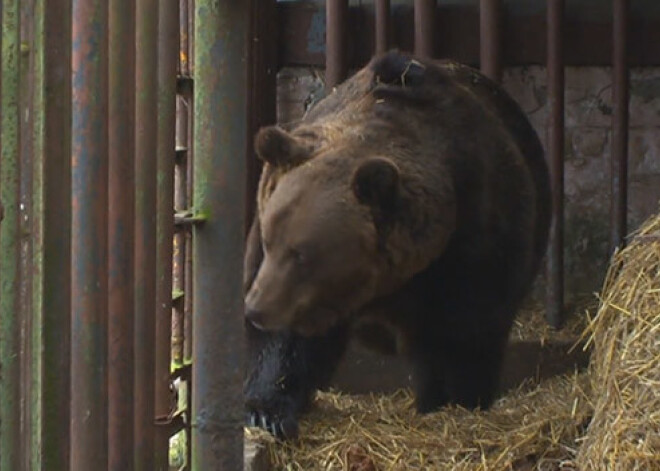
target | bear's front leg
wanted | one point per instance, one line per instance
(286, 369)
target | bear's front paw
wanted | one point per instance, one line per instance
(277, 415)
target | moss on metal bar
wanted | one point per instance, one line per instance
(10, 405)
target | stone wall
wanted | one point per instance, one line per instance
(587, 150)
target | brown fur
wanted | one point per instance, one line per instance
(415, 197)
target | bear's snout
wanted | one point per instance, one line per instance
(256, 318)
(262, 312)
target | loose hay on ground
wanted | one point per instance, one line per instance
(625, 366)
(534, 426)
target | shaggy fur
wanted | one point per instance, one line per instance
(411, 206)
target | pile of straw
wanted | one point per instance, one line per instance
(605, 418)
(533, 428)
(625, 365)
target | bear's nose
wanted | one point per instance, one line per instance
(255, 317)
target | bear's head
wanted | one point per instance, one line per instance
(320, 230)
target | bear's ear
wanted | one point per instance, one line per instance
(279, 148)
(376, 183)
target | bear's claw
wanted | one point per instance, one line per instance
(281, 428)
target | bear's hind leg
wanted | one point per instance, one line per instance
(285, 370)
(461, 370)
(428, 376)
(472, 371)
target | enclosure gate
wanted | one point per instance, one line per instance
(88, 104)
(97, 142)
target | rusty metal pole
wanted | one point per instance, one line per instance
(620, 94)
(168, 55)
(10, 325)
(184, 39)
(555, 261)
(336, 43)
(183, 200)
(383, 26)
(220, 138)
(490, 42)
(188, 255)
(89, 282)
(56, 233)
(121, 368)
(181, 176)
(263, 89)
(188, 300)
(180, 204)
(146, 120)
(425, 12)
(191, 38)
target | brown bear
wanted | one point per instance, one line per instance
(411, 206)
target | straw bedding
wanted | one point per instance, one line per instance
(605, 418)
(625, 365)
(383, 432)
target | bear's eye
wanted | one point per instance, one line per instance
(298, 256)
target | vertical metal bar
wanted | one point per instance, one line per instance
(180, 204)
(191, 37)
(184, 39)
(555, 264)
(187, 23)
(10, 332)
(89, 283)
(490, 12)
(424, 28)
(187, 286)
(168, 55)
(56, 226)
(188, 282)
(221, 78)
(383, 23)
(36, 109)
(263, 89)
(336, 42)
(620, 94)
(187, 323)
(188, 273)
(188, 300)
(30, 230)
(121, 368)
(146, 120)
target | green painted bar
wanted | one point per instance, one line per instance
(10, 336)
(33, 16)
(220, 142)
